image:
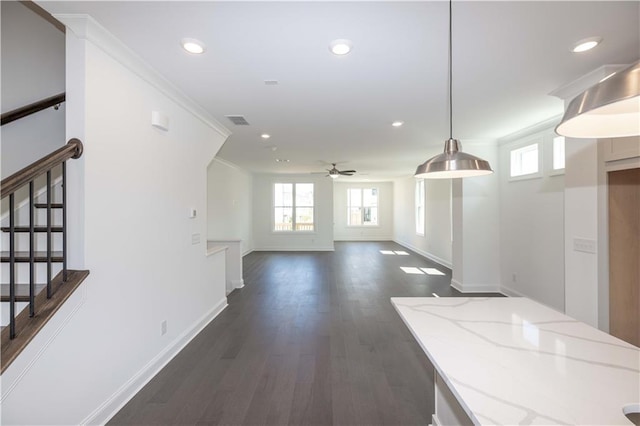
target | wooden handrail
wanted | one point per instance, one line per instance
(73, 149)
(18, 113)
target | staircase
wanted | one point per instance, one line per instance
(35, 276)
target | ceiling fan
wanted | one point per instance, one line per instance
(334, 172)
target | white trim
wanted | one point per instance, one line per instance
(311, 248)
(435, 421)
(542, 127)
(247, 252)
(87, 28)
(6, 390)
(367, 238)
(423, 253)
(232, 166)
(115, 402)
(476, 288)
(237, 283)
(509, 292)
(579, 85)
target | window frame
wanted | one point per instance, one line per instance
(362, 206)
(420, 195)
(294, 207)
(538, 142)
(552, 170)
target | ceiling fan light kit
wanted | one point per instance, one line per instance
(452, 163)
(609, 109)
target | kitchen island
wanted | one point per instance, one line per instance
(515, 361)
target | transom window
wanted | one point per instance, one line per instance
(558, 153)
(525, 160)
(362, 206)
(293, 207)
(420, 207)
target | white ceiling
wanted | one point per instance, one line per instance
(508, 56)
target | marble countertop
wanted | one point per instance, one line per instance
(514, 361)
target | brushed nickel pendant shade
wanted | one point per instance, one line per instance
(609, 109)
(452, 163)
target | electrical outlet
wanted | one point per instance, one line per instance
(514, 278)
(163, 328)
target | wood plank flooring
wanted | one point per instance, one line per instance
(312, 339)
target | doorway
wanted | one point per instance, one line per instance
(624, 255)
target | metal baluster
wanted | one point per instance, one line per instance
(12, 269)
(32, 272)
(64, 221)
(49, 259)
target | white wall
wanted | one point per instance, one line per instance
(382, 232)
(532, 225)
(131, 190)
(476, 223)
(230, 204)
(435, 244)
(263, 236)
(33, 55)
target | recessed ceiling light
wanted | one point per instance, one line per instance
(340, 46)
(586, 44)
(192, 45)
(265, 136)
(397, 123)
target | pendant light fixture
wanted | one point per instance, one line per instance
(453, 163)
(610, 109)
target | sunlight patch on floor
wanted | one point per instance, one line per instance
(432, 271)
(411, 270)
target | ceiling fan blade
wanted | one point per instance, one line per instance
(347, 171)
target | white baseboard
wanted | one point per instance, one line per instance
(428, 255)
(475, 288)
(511, 292)
(312, 248)
(435, 421)
(113, 404)
(237, 283)
(371, 238)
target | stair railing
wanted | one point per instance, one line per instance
(9, 186)
(13, 115)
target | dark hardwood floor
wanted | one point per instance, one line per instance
(312, 338)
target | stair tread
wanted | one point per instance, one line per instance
(22, 292)
(44, 205)
(23, 256)
(26, 327)
(35, 229)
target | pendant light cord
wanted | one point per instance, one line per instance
(450, 73)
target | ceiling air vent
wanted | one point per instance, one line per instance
(238, 120)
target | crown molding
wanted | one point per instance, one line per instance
(85, 27)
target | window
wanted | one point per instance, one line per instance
(420, 207)
(525, 160)
(293, 207)
(362, 206)
(558, 153)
